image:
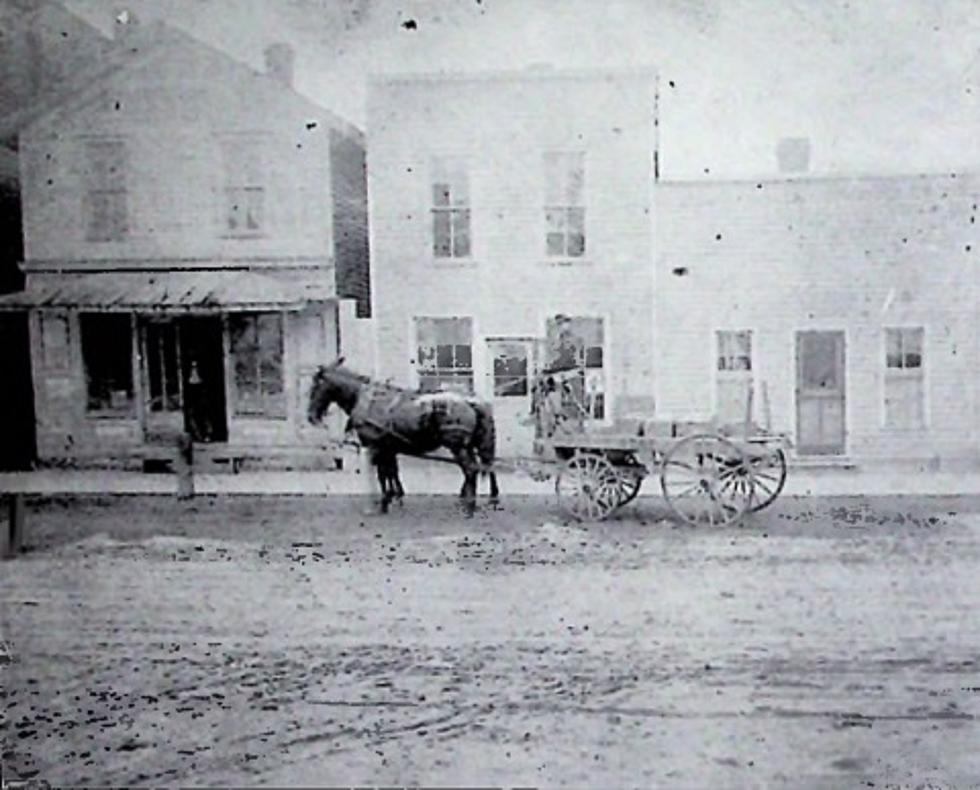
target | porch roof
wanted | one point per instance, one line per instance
(211, 290)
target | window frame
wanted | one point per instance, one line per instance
(441, 372)
(244, 178)
(106, 198)
(452, 173)
(129, 409)
(904, 372)
(732, 373)
(563, 201)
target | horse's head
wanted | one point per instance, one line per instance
(327, 389)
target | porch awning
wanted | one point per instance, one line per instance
(175, 291)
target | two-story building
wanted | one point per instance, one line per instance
(508, 208)
(195, 243)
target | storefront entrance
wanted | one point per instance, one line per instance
(183, 372)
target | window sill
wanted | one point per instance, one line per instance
(454, 263)
(243, 236)
(893, 430)
(567, 262)
(110, 415)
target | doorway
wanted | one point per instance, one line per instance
(511, 368)
(183, 378)
(820, 392)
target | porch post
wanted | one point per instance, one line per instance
(185, 467)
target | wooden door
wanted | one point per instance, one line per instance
(510, 370)
(820, 393)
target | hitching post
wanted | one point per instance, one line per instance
(185, 467)
(12, 534)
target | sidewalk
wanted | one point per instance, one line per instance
(422, 477)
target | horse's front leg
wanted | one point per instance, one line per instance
(397, 490)
(383, 466)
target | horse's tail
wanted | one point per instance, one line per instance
(485, 436)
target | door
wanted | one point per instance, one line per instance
(18, 448)
(183, 379)
(510, 371)
(203, 369)
(820, 393)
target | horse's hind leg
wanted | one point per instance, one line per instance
(470, 472)
(494, 491)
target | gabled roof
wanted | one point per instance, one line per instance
(47, 50)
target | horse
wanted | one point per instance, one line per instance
(390, 421)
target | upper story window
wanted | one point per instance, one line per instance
(564, 209)
(106, 209)
(450, 209)
(244, 188)
(904, 378)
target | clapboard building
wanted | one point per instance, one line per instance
(195, 242)
(508, 208)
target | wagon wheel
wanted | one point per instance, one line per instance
(768, 477)
(705, 480)
(630, 481)
(588, 487)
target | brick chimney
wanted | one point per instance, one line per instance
(279, 60)
(793, 155)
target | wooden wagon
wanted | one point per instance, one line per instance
(709, 473)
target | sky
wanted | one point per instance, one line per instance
(878, 86)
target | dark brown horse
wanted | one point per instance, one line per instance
(390, 421)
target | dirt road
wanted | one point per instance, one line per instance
(294, 641)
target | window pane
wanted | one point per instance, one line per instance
(576, 245)
(444, 356)
(555, 220)
(593, 357)
(107, 356)
(575, 179)
(440, 195)
(464, 357)
(461, 233)
(893, 348)
(254, 198)
(553, 177)
(556, 244)
(269, 329)
(441, 244)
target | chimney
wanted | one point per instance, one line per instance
(125, 24)
(793, 155)
(279, 60)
